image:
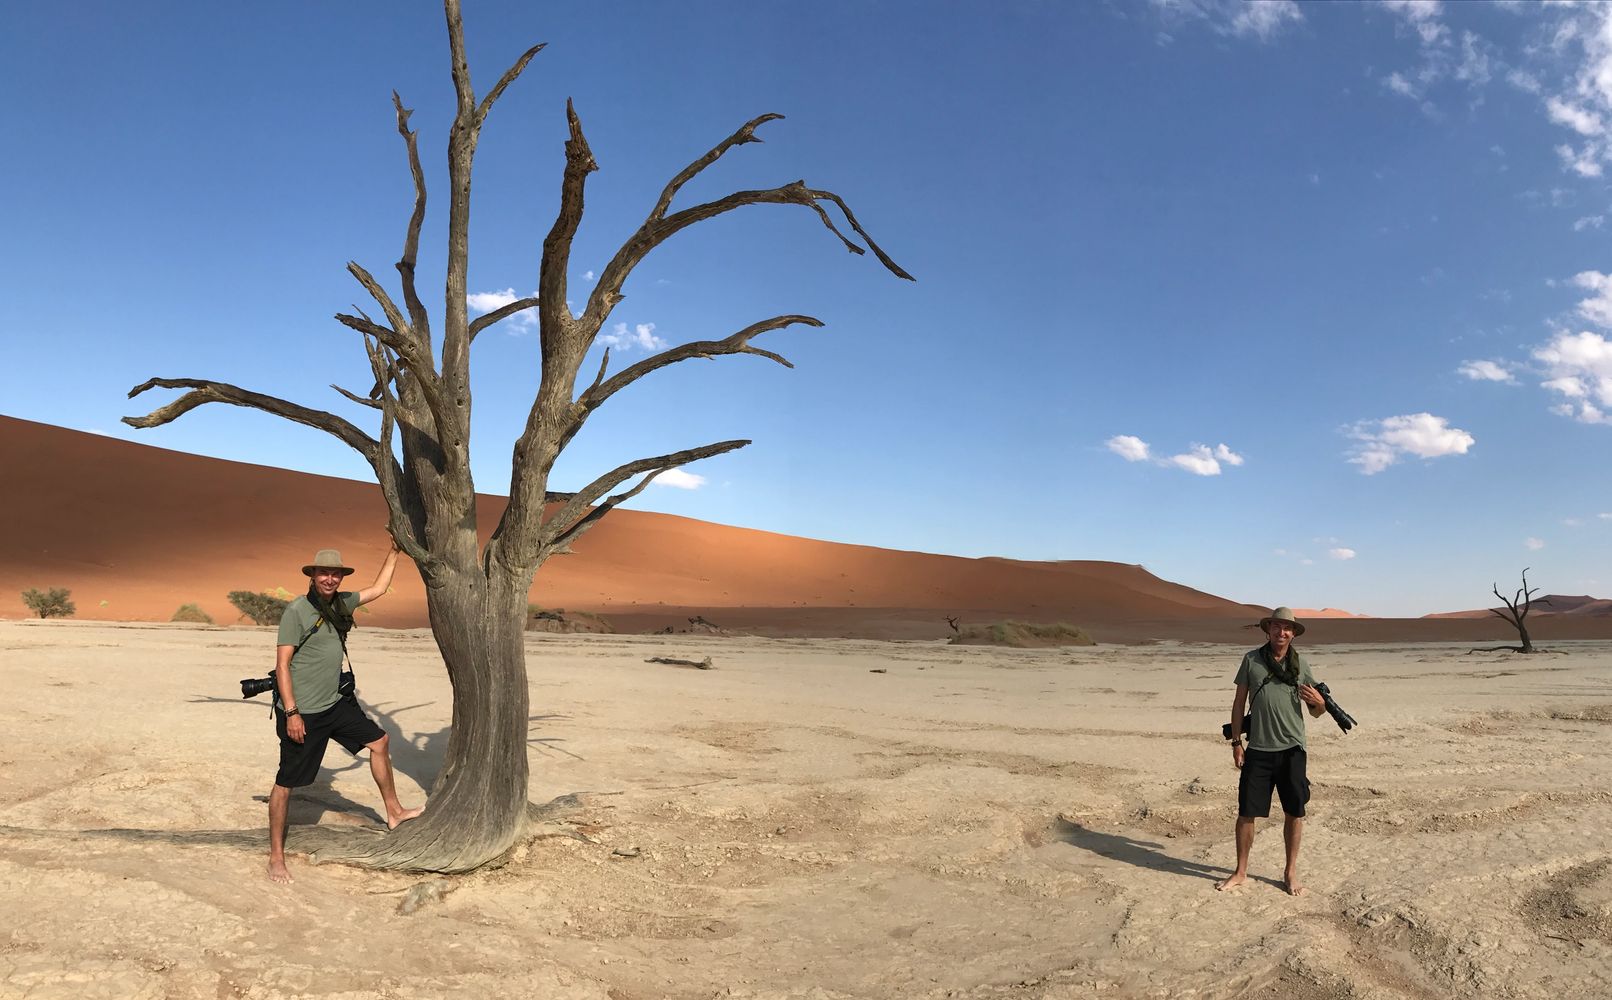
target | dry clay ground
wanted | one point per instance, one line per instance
(815, 818)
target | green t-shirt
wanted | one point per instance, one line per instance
(316, 667)
(1277, 710)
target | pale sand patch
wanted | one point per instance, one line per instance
(973, 822)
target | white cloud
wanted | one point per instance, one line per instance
(524, 321)
(1421, 16)
(1261, 19)
(1383, 442)
(1485, 371)
(1598, 307)
(1588, 222)
(1573, 522)
(1131, 449)
(678, 479)
(1341, 554)
(1574, 117)
(1396, 82)
(641, 336)
(1264, 18)
(1198, 459)
(1583, 162)
(587, 275)
(1605, 517)
(1524, 81)
(1579, 366)
(1534, 544)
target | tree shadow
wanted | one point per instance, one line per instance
(1141, 853)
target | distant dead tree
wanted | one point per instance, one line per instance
(952, 622)
(477, 595)
(1516, 610)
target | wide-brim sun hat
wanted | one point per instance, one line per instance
(1282, 615)
(326, 559)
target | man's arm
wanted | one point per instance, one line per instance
(1238, 703)
(383, 579)
(294, 727)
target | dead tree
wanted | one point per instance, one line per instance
(477, 595)
(1516, 610)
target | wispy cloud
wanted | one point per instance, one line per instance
(1421, 17)
(1198, 459)
(641, 336)
(1534, 544)
(522, 322)
(1341, 554)
(1485, 371)
(680, 480)
(1258, 19)
(1383, 443)
(1588, 222)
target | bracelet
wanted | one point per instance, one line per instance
(292, 711)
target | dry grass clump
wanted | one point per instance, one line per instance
(192, 613)
(1021, 635)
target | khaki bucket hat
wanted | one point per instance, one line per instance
(1282, 615)
(326, 559)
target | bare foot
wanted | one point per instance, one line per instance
(1230, 883)
(278, 872)
(1293, 886)
(407, 814)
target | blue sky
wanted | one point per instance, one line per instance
(1298, 304)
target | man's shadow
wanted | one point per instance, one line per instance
(1141, 853)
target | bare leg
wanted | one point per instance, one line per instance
(1292, 836)
(1245, 845)
(380, 767)
(279, 804)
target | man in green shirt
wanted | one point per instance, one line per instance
(309, 708)
(1275, 758)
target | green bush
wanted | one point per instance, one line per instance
(263, 609)
(192, 613)
(52, 603)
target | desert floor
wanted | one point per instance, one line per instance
(816, 818)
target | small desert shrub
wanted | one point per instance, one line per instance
(264, 609)
(1021, 635)
(52, 603)
(192, 613)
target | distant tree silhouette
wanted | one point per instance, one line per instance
(476, 595)
(1515, 613)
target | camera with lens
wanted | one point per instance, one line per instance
(251, 687)
(1344, 720)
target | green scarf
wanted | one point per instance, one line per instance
(1287, 671)
(331, 612)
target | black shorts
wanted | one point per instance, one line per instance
(1283, 770)
(344, 722)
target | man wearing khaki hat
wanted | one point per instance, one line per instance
(1275, 758)
(311, 708)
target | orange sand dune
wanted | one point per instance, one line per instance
(135, 531)
(1304, 614)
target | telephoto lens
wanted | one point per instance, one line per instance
(251, 687)
(1344, 720)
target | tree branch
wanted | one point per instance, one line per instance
(393, 315)
(564, 525)
(419, 319)
(656, 231)
(387, 471)
(739, 343)
(505, 311)
(373, 404)
(505, 80)
(204, 391)
(556, 262)
(746, 133)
